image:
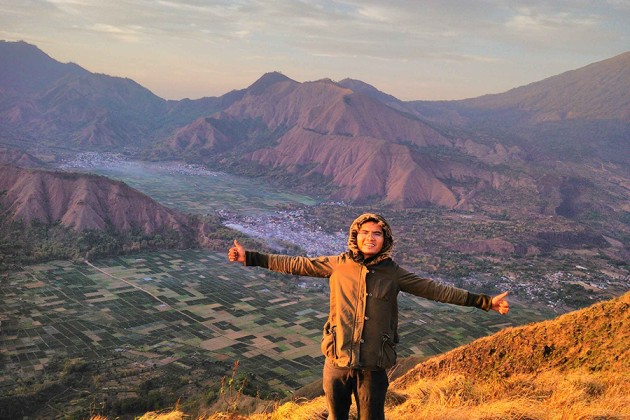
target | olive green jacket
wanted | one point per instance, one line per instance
(361, 331)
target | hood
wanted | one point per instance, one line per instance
(388, 244)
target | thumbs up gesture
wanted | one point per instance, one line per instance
(236, 253)
(500, 303)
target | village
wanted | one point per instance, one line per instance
(286, 227)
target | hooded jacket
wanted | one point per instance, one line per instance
(362, 327)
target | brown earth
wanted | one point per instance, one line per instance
(81, 201)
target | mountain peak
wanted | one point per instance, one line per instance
(369, 90)
(358, 85)
(267, 80)
(26, 68)
(9, 49)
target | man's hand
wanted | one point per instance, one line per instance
(237, 253)
(500, 304)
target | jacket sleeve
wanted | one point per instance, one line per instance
(440, 292)
(300, 266)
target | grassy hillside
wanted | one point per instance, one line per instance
(574, 367)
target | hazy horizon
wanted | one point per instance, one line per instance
(412, 50)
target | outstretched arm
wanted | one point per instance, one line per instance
(236, 253)
(441, 292)
(500, 304)
(300, 266)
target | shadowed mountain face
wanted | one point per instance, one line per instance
(26, 70)
(18, 158)
(600, 91)
(46, 102)
(537, 148)
(580, 116)
(68, 105)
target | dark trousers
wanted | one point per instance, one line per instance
(368, 387)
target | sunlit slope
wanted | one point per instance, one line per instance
(576, 366)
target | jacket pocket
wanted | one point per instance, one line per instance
(329, 341)
(387, 354)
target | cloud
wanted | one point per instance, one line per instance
(530, 21)
(126, 34)
(512, 41)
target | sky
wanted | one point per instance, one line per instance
(412, 49)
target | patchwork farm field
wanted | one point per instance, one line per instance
(187, 316)
(142, 332)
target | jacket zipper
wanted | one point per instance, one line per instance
(333, 331)
(357, 311)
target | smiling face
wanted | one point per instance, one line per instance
(370, 239)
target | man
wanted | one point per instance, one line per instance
(361, 333)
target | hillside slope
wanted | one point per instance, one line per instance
(45, 102)
(81, 201)
(599, 91)
(576, 366)
(348, 141)
(90, 202)
(360, 149)
(18, 157)
(595, 338)
(48, 215)
(580, 116)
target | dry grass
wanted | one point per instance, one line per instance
(169, 415)
(547, 396)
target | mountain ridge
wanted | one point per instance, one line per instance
(595, 83)
(322, 125)
(91, 202)
(349, 141)
(81, 201)
(23, 72)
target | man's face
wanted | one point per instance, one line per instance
(370, 239)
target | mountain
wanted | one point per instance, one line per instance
(575, 366)
(43, 101)
(312, 133)
(18, 157)
(82, 201)
(555, 147)
(359, 148)
(599, 91)
(545, 140)
(48, 215)
(369, 90)
(581, 115)
(26, 70)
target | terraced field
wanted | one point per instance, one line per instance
(169, 326)
(166, 315)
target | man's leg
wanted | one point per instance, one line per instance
(338, 385)
(371, 389)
